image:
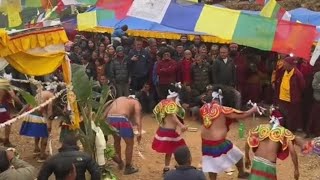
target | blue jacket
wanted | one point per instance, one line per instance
(118, 32)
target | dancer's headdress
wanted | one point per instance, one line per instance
(132, 96)
(172, 94)
(217, 95)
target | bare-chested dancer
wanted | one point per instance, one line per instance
(167, 140)
(269, 142)
(7, 101)
(122, 114)
(39, 123)
(218, 153)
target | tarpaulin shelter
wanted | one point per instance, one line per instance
(144, 28)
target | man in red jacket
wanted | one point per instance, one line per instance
(167, 72)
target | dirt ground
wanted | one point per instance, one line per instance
(151, 166)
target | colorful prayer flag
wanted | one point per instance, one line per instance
(273, 10)
(250, 30)
(13, 9)
(87, 20)
(33, 3)
(88, 2)
(91, 19)
(119, 7)
(264, 2)
(78, 2)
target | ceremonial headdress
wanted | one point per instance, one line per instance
(217, 95)
(172, 94)
(132, 96)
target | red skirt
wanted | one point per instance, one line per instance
(167, 141)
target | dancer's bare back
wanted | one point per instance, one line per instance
(125, 106)
(43, 96)
(268, 150)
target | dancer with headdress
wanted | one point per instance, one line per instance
(169, 114)
(7, 104)
(269, 142)
(123, 114)
(218, 153)
(39, 123)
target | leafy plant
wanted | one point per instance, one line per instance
(92, 111)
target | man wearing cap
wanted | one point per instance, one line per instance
(119, 73)
(289, 85)
(169, 114)
(139, 63)
(218, 153)
(122, 114)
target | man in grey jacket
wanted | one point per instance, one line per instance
(13, 168)
(119, 73)
(223, 69)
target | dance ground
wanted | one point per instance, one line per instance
(152, 164)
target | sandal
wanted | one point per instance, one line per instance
(165, 170)
(121, 165)
(243, 176)
(42, 158)
(130, 170)
(36, 152)
(8, 144)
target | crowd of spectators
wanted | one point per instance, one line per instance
(148, 67)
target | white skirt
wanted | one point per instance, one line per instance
(223, 162)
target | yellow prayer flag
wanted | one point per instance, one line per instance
(269, 8)
(87, 20)
(224, 22)
(194, 1)
(14, 18)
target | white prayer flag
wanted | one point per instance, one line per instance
(71, 2)
(150, 10)
(315, 54)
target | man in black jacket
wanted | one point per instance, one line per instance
(69, 152)
(184, 170)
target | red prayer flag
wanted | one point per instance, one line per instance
(119, 7)
(60, 6)
(295, 38)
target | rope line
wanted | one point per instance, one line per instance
(9, 122)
